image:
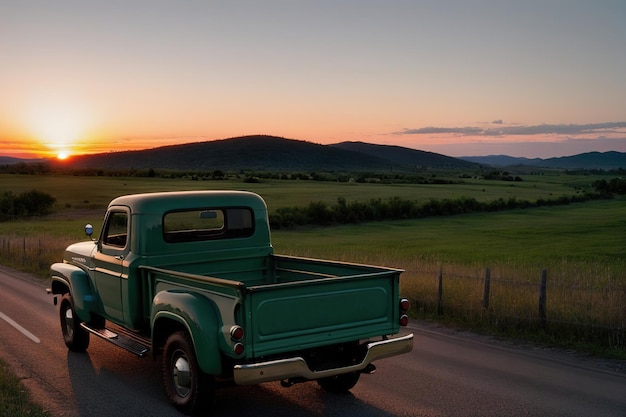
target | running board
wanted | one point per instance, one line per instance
(123, 341)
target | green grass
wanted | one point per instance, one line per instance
(95, 192)
(582, 232)
(14, 398)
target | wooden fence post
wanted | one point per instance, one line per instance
(440, 297)
(487, 288)
(542, 298)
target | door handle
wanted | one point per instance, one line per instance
(120, 257)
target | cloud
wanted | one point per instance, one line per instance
(436, 130)
(543, 129)
(525, 148)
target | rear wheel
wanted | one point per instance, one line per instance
(339, 383)
(187, 387)
(76, 338)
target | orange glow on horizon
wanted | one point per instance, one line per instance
(52, 125)
(97, 139)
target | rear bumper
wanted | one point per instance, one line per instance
(296, 367)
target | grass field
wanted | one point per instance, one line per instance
(95, 192)
(583, 232)
(582, 246)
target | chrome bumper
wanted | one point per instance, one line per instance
(297, 367)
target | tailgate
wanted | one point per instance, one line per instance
(303, 314)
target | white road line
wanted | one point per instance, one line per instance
(18, 327)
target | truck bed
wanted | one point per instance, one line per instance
(318, 302)
(292, 303)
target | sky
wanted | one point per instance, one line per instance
(532, 78)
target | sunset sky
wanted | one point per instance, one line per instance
(531, 78)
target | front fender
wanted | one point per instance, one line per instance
(199, 316)
(66, 277)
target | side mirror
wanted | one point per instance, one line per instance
(88, 230)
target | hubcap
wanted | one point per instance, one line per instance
(69, 322)
(181, 373)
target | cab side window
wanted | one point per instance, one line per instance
(116, 230)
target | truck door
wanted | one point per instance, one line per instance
(109, 259)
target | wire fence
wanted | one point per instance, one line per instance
(29, 254)
(593, 314)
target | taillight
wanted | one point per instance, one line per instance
(404, 307)
(238, 348)
(236, 332)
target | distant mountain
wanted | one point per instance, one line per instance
(501, 160)
(269, 153)
(590, 160)
(405, 156)
(8, 160)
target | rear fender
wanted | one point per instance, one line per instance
(72, 279)
(201, 319)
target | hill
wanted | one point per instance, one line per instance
(405, 156)
(247, 153)
(271, 153)
(8, 160)
(590, 160)
(501, 160)
(268, 153)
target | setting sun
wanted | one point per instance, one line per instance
(57, 124)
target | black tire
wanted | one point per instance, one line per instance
(76, 338)
(187, 387)
(339, 383)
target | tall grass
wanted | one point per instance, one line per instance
(32, 254)
(14, 398)
(580, 312)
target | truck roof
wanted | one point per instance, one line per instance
(174, 200)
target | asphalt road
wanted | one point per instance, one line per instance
(447, 374)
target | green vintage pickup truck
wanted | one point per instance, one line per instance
(192, 276)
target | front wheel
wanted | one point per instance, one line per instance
(185, 384)
(339, 383)
(76, 338)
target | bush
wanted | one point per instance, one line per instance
(395, 208)
(614, 186)
(27, 204)
(318, 213)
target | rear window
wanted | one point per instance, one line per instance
(207, 224)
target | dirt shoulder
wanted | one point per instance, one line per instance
(556, 353)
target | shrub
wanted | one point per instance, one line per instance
(27, 204)
(395, 208)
